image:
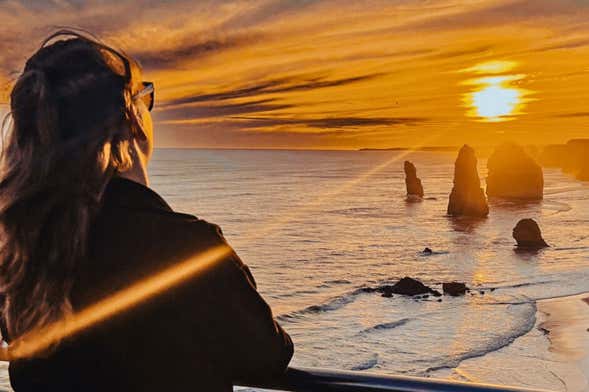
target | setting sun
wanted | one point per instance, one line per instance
(495, 102)
(494, 98)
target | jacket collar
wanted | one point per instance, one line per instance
(122, 192)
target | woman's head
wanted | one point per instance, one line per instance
(76, 90)
(75, 122)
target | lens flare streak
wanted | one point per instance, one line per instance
(40, 340)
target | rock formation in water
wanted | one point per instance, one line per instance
(408, 286)
(454, 288)
(572, 157)
(427, 251)
(553, 155)
(528, 235)
(412, 183)
(467, 197)
(578, 158)
(513, 174)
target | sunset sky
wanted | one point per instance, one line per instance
(338, 74)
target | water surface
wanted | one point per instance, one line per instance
(316, 227)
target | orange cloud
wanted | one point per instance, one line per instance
(334, 74)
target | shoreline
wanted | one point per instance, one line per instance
(553, 355)
(565, 321)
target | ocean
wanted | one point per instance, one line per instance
(319, 227)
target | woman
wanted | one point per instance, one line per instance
(79, 224)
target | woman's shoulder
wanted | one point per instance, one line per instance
(136, 245)
(191, 224)
(194, 231)
(153, 230)
(199, 229)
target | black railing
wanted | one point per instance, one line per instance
(312, 379)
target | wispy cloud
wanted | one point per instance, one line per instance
(273, 86)
(329, 73)
(316, 125)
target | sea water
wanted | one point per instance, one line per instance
(318, 227)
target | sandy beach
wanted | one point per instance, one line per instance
(566, 323)
(553, 355)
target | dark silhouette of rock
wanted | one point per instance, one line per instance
(553, 155)
(427, 251)
(412, 183)
(572, 157)
(454, 288)
(528, 235)
(577, 161)
(467, 197)
(408, 286)
(513, 174)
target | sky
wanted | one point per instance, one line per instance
(326, 74)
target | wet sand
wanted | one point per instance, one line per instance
(553, 355)
(566, 324)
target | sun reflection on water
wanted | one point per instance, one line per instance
(496, 96)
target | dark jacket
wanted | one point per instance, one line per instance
(202, 335)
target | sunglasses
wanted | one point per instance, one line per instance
(147, 95)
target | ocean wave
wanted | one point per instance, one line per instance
(368, 364)
(353, 210)
(518, 285)
(556, 206)
(339, 301)
(368, 212)
(337, 281)
(385, 326)
(567, 189)
(332, 304)
(571, 248)
(433, 253)
(528, 320)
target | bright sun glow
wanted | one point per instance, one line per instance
(494, 98)
(495, 102)
(492, 67)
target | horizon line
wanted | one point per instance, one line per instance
(359, 149)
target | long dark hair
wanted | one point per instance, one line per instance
(70, 126)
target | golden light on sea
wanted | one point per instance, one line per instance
(495, 97)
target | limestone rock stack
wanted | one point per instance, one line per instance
(527, 234)
(467, 197)
(413, 184)
(513, 174)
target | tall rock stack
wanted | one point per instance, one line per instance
(578, 158)
(572, 157)
(467, 197)
(513, 174)
(413, 184)
(553, 155)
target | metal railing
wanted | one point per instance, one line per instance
(317, 380)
